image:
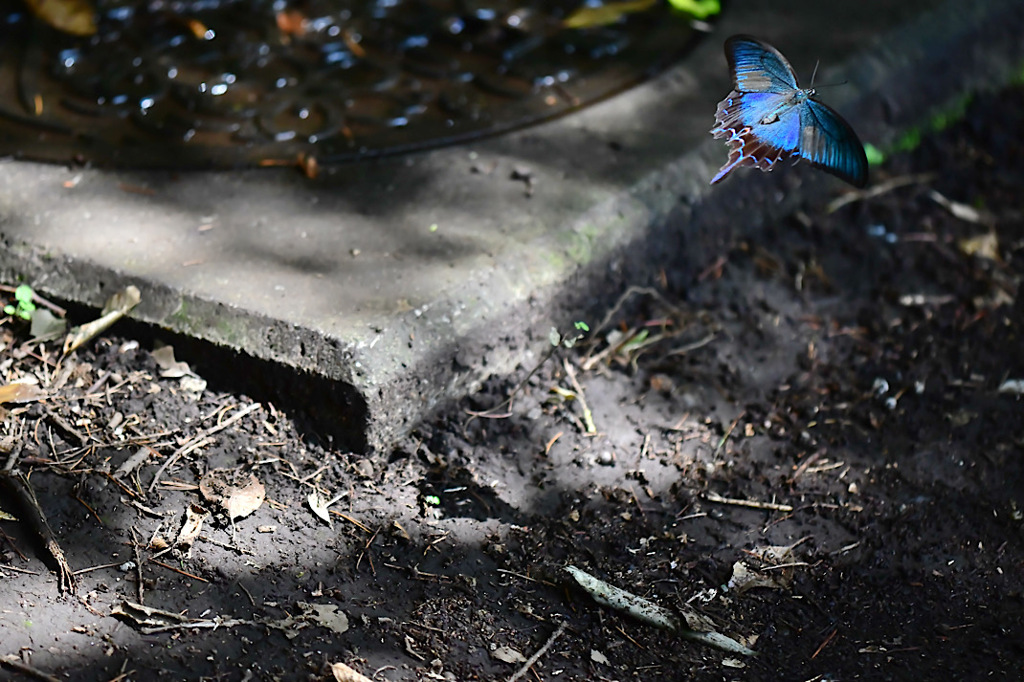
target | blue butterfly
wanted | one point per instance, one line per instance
(768, 117)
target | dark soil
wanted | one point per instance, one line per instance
(847, 365)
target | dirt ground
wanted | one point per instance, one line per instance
(818, 448)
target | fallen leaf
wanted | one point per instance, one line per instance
(507, 654)
(343, 673)
(1012, 386)
(169, 367)
(744, 578)
(983, 246)
(238, 493)
(194, 518)
(76, 17)
(21, 392)
(117, 306)
(605, 14)
(46, 326)
(319, 507)
(325, 615)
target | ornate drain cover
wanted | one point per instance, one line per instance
(226, 83)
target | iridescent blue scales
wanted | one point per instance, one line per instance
(768, 117)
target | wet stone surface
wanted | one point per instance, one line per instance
(227, 84)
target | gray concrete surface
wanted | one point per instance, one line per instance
(406, 281)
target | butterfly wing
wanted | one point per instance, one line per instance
(758, 67)
(828, 142)
(758, 119)
(740, 120)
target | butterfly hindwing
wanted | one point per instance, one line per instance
(751, 142)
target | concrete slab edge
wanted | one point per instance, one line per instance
(669, 219)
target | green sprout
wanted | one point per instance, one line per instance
(23, 306)
(432, 500)
(557, 338)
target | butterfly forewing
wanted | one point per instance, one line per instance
(758, 67)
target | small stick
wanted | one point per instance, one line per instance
(588, 417)
(12, 662)
(753, 504)
(878, 190)
(725, 437)
(806, 463)
(824, 644)
(540, 652)
(198, 438)
(178, 570)
(139, 589)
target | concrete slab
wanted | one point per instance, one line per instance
(403, 282)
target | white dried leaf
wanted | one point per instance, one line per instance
(507, 654)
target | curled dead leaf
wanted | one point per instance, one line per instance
(194, 518)
(237, 493)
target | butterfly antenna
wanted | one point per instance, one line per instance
(815, 72)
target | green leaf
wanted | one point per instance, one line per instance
(876, 157)
(23, 295)
(582, 326)
(699, 9)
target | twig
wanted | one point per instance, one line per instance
(653, 293)
(17, 569)
(806, 463)
(824, 644)
(753, 504)
(540, 652)
(11, 661)
(139, 589)
(588, 417)
(728, 432)
(879, 189)
(178, 570)
(199, 437)
(507, 403)
(17, 488)
(699, 343)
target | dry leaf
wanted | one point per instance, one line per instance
(983, 246)
(325, 615)
(238, 493)
(76, 17)
(169, 367)
(319, 506)
(743, 579)
(507, 654)
(21, 392)
(117, 307)
(343, 673)
(194, 518)
(606, 13)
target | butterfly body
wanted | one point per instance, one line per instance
(768, 118)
